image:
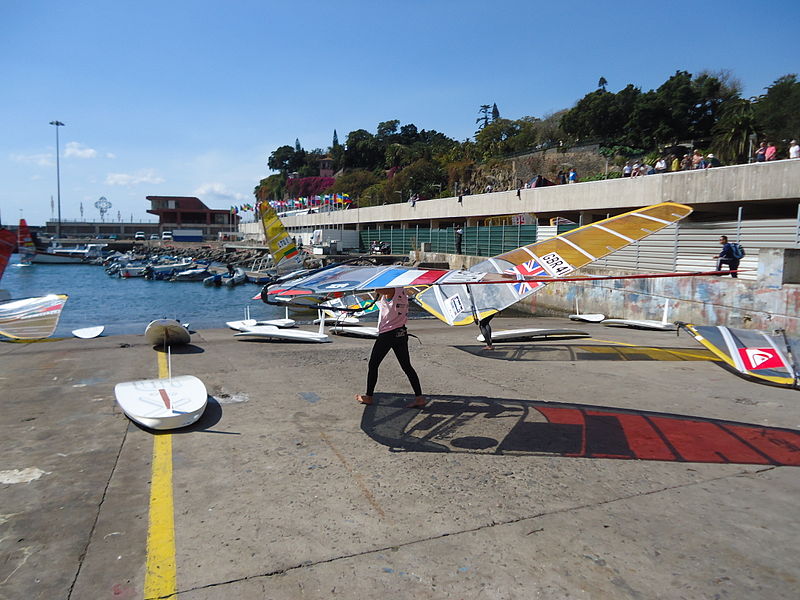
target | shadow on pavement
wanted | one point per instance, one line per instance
(522, 427)
(570, 352)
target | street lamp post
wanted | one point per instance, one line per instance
(58, 179)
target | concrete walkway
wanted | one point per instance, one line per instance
(617, 466)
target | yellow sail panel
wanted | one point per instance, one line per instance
(280, 243)
(586, 244)
(555, 257)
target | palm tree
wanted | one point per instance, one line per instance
(732, 132)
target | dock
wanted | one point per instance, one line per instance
(626, 464)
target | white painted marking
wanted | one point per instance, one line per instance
(578, 248)
(21, 475)
(653, 218)
(612, 232)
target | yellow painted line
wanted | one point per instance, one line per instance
(160, 580)
(699, 354)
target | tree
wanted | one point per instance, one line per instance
(355, 182)
(281, 159)
(495, 112)
(737, 122)
(602, 83)
(484, 110)
(269, 188)
(778, 111)
(335, 143)
(363, 151)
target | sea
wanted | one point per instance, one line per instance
(126, 306)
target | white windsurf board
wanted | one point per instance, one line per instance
(87, 333)
(163, 403)
(270, 332)
(166, 332)
(362, 332)
(510, 335)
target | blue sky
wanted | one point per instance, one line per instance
(190, 98)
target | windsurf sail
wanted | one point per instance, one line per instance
(282, 247)
(455, 296)
(752, 353)
(27, 248)
(556, 257)
(31, 318)
(7, 244)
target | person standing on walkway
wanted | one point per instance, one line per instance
(573, 176)
(459, 233)
(794, 149)
(727, 257)
(392, 335)
(771, 153)
(761, 152)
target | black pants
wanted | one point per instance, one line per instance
(733, 264)
(485, 325)
(397, 340)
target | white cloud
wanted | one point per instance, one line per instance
(78, 150)
(42, 160)
(218, 191)
(110, 155)
(129, 179)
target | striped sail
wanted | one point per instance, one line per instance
(555, 257)
(284, 252)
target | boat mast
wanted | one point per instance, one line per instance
(58, 179)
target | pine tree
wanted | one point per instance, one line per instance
(335, 140)
(297, 147)
(495, 112)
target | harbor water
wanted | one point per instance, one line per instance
(126, 306)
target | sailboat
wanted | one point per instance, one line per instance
(25, 245)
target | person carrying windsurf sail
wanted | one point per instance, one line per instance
(485, 325)
(392, 335)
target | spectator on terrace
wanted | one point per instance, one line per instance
(771, 152)
(561, 178)
(661, 165)
(573, 176)
(712, 161)
(761, 152)
(686, 162)
(697, 159)
(674, 163)
(794, 149)
(488, 189)
(626, 170)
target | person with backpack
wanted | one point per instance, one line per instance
(730, 255)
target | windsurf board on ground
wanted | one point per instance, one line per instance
(339, 320)
(270, 332)
(362, 332)
(588, 317)
(87, 333)
(519, 335)
(166, 332)
(293, 335)
(662, 325)
(163, 403)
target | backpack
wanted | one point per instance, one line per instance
(738, 251)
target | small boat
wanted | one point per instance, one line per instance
(163, 403)
(132, 271)
(87, 333)
(166, 332)
(198, 274)
(235, 278)
(214, 280)
(57, 254)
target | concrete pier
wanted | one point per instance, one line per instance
(525, 476)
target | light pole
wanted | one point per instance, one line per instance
(58, 179)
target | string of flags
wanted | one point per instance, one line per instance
(310, 201)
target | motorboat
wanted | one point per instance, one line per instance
(235, 278)
(58, 254)
(197, 274)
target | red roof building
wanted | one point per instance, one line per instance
(188, 212)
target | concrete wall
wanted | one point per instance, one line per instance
(766, 303)
(779, 180)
